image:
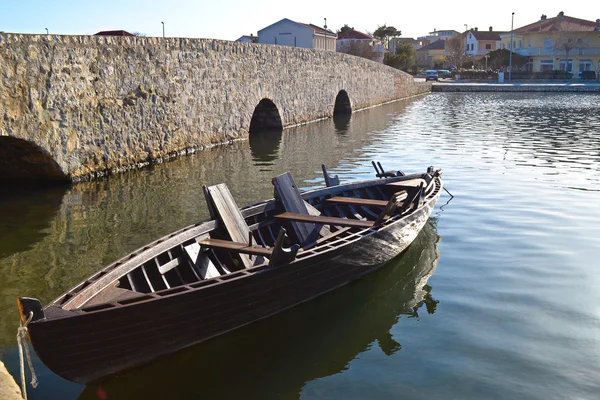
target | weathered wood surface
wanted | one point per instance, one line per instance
(237, 247)
(288, 195)
(325, 220)
(357, 201)
(229, 213)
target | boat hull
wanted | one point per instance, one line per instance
(90, 347)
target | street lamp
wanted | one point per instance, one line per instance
(163, 24)
(511, 48)
(486, 58)
(46, 31)
(325, 26)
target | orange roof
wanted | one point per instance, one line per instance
(352, 34)
(560, 23)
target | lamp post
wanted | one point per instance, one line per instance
(486, 58)
(163, 25)
(46, 31)
(511, 48)
(325, 26)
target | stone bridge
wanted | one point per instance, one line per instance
(75, 107)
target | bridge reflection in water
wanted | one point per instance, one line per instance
(276, 357)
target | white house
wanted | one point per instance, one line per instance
(248, 39)
(289, 33)
(479, 43)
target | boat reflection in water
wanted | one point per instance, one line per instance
(276, 357)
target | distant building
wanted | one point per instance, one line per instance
(545, 43)
(437, 35)
(360, 44)
(395, 42)
(432, 55)
(113, 33)
(289, 33)
(248, 39)
(478, 43)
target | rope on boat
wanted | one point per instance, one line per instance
(22, 343)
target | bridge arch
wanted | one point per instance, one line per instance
(266, 117)
(24, 160)
(342, 103)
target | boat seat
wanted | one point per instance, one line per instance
(323, 220)
(360, 201)
(289, 198)
(242, 248)
(222, 206)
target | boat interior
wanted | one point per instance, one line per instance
(238, 242)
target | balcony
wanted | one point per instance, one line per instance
(550, 52)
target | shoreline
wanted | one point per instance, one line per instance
(588, 87)
(9, 390)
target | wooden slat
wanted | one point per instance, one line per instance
(236, 247)
(289, 197)
(229, 213)
(325, 220)
(354, 200)
(407, 183)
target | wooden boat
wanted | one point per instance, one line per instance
(239, 266)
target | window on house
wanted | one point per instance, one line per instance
(546, 65)
(547, 43)
(569, 65)
(585, 65)
(472, 46)
(488, 46)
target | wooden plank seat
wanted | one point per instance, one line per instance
(411, 183)
(323, 220)
(237, 247)
(361, 201)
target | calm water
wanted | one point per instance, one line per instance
(498, 298)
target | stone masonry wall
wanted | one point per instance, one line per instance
(107, 103)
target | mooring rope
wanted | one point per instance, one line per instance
(448, 192)
(22, 343)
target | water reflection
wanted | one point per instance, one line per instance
(274, 358)
(342, 123)
(26, 212)
(264, 146)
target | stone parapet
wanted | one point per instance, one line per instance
(99, 103)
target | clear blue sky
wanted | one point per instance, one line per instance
(229, 19)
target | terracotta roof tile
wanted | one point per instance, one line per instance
(352, 34)
(559, 24)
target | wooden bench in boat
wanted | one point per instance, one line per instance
(319, 219)
(360, 201)
(289, 197)
(243, 248)
(223, 207)
(411, 183)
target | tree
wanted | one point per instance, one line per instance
(345, 28)
(501, 58)
(138, 34)
(456, 54)
(385, 33)
(566, 43)
(403, 59)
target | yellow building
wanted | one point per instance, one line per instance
(557, 43)
(432, 55)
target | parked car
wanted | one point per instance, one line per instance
(431, 75)
(444, 73)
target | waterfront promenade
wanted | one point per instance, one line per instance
(458, 86)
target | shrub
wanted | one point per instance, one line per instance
(588, 75)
